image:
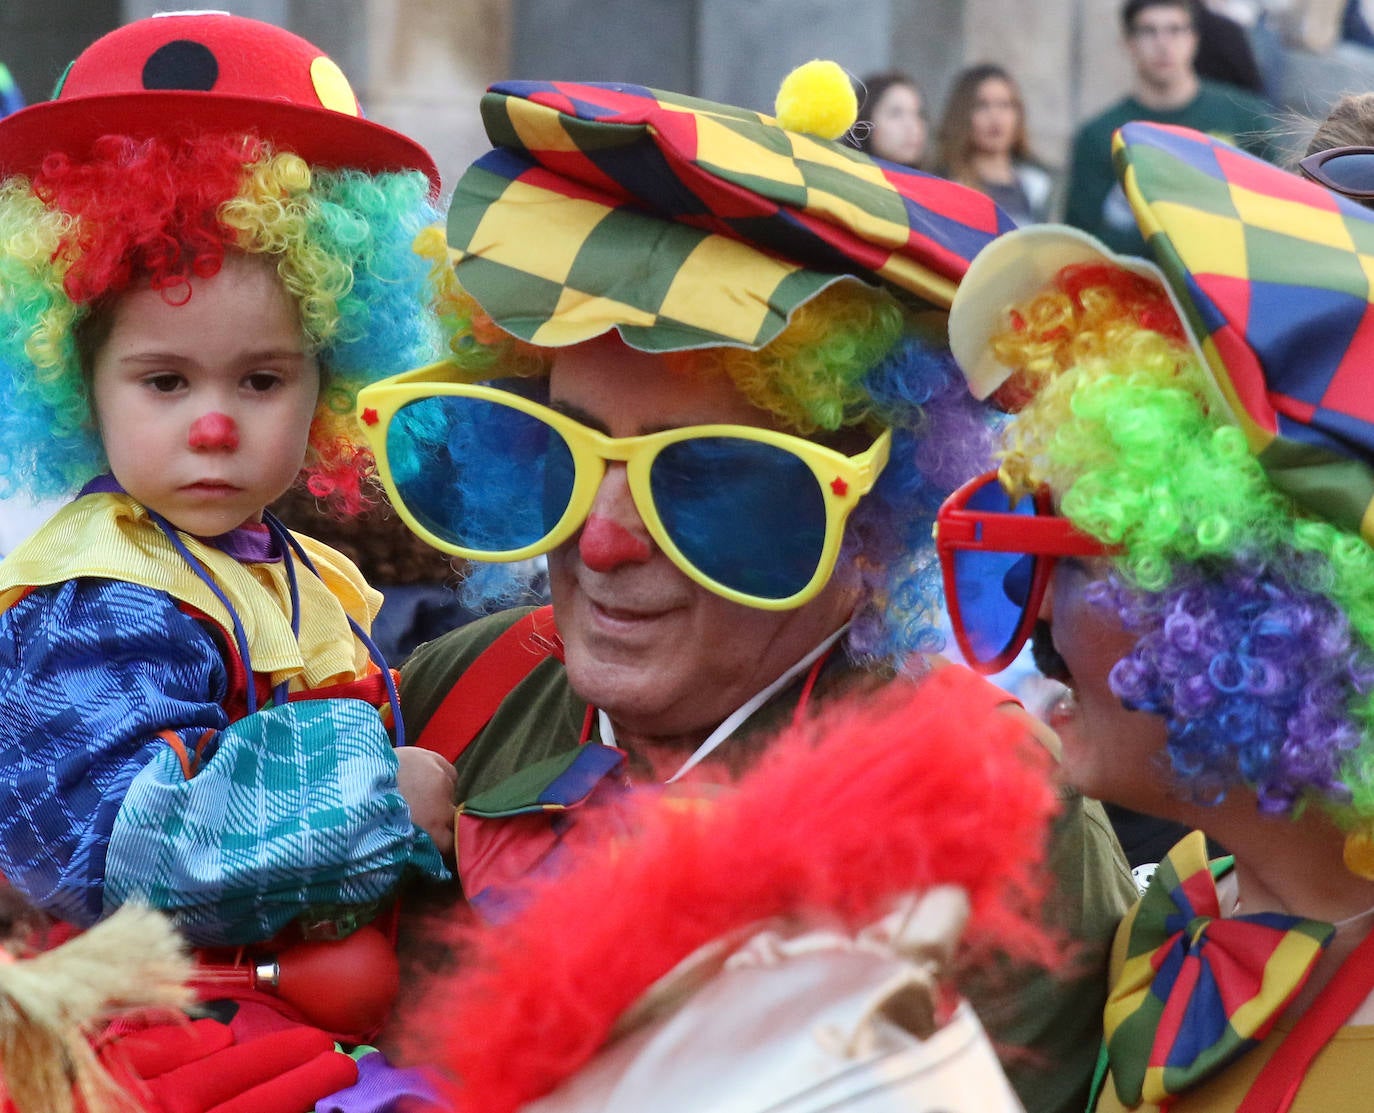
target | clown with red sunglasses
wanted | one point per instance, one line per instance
(1182, 511)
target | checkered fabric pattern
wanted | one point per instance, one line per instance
(293, 808)
(1196, 990)
(687, 223)
(1276, 274)
(297, 810)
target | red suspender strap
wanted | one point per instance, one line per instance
(476, 695)
(1278, 1081)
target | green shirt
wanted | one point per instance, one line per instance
(1095, 201)
(1057, 1022)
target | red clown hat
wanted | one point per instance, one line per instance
(208, 70)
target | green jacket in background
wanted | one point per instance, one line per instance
(1094, 200)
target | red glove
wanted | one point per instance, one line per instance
(198, 1068)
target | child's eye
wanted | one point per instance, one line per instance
(164, 382)
(260, 382)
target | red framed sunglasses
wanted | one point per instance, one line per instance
(997, 555)
(1348, 171)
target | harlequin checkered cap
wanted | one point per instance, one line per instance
(683, 223)
(208, 70)
(1275, 275)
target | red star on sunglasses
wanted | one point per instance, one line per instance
(839, 486)
(369, 416)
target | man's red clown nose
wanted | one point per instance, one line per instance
(213, 431)
(605, 545)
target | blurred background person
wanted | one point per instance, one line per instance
(983, 144)
(892, 120)
(1161, 37)
(1225, 52)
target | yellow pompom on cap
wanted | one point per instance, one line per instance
(817, 98)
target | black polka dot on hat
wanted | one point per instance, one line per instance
(181, 64)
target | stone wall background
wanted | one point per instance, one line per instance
(420, 65)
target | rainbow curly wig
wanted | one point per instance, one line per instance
(164, 213)
(852, 357)
(1255, 622)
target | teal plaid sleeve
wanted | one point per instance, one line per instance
(297, 809)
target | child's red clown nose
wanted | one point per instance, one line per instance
(605, 545)
(213, 431)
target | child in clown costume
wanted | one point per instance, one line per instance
(204, 252)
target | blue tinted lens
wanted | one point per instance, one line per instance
(1354, 171)
(1016, 584)
(750, 516)
(557, 485)
(479, 475)
(992, 589)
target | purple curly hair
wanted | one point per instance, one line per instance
(1252, 672)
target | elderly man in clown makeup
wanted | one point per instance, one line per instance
(1183, 506)
(699, 363)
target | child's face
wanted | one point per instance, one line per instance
(204, 408)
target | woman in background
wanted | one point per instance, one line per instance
(983, 144)
(892, 121)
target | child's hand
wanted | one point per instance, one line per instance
(427, 782)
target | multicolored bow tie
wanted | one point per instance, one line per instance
(1197, 991)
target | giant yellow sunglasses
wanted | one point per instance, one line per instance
(754, 515)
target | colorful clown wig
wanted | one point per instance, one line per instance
(851, 358)
(164, 213)
(1254, 621)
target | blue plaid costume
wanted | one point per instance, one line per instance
(292, 808)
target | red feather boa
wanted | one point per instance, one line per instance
(920, 786)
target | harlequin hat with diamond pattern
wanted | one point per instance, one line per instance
(683, 223)
(1276, 277)
(210, 71)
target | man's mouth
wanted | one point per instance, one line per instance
(626, 614)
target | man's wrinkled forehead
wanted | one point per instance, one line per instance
(623, 391)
